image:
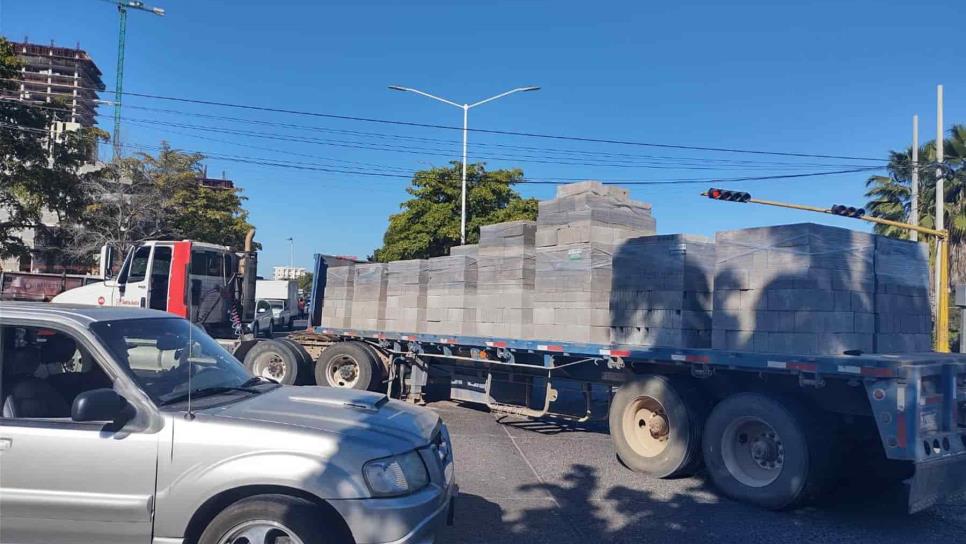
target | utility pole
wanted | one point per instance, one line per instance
(122, 7)
(291, 256)
(914, 206)
(942, 242)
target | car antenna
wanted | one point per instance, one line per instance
(188, 415)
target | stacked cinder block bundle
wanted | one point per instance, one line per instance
(369, 296)
(813, 290)
(337, 301)
(451, 295)
(577, 233)
(470, 250)
(662, 291)
(406, 296)
(506, 272)
(904, 318)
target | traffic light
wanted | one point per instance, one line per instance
(732, 196)
(847, 211)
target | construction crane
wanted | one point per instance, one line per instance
(122, 7)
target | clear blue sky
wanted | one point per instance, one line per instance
(828, 77)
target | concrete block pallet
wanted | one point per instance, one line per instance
(451, 306)
(369, 296)
(337, 307)
(662, 291)
(506, 269)
(812, 289)
(406, 296)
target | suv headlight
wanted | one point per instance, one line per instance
(397, 475)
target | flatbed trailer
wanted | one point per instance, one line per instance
(770, 429)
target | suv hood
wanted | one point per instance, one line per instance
(367, 417)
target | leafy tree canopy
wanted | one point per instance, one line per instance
(429, 223)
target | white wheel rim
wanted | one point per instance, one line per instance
(752, 451)
(271, 366)
(260, 532)
(646, 426)
(343, 372)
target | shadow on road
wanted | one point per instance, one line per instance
(577, 510)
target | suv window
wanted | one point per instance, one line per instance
(42, 371)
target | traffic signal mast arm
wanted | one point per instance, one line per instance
(942, 241)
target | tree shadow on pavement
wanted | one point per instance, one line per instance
(576, 509)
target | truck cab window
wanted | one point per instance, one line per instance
(139, 264)
(160, 275)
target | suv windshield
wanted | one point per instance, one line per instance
(158, 353)
(277, 304)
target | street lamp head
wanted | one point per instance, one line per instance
(531, 88)
(158, 11)
(398, 88)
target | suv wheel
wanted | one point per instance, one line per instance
(269, 519)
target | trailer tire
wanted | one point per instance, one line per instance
(349, 365)
(766, 450)
(656, 424)
(306, 364)
(274, 360)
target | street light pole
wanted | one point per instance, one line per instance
(466, 111)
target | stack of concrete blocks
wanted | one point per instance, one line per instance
(815, 290)
(451, 295)
(337, 301)
(904, 317)
(506, 273)
(406, 296)
(576, 237)
(369, 296)
(470, 250)
(662, 291)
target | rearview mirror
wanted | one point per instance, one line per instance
(98, 405)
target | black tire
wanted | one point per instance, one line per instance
(305, 520)
(270, 352)
(254, 329)
(270, 333)
(306, 364)
(671, 445)
(347, 353)
(288, 326)
(801, 442)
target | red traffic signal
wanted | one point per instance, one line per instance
(847, 211)
(731, 196)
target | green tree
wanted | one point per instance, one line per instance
(147, 197)
(890, 196)
(429, 223)
(305, 283)
(39, 174)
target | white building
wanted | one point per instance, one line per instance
(289, 272)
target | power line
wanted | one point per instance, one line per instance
(482, 131)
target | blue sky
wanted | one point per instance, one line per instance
(840, 78)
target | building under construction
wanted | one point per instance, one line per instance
(59, 76)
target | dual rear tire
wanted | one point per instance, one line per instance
(349, 365)
(756, 448)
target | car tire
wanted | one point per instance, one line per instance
(274, 360)
(306, 363)
(361, 372)
(254, 329)
(282, 514)
(656, 424)
(766, 450)
(270, 333)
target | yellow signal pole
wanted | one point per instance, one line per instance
(942, 260)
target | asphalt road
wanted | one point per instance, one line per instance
(523, 481)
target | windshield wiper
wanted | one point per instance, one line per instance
(257, 380)
(207, 392)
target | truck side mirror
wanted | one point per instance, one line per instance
(99, 405)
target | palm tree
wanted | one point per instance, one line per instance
(890, 196)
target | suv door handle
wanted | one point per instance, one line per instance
(6, 443)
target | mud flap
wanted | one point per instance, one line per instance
(934, 481)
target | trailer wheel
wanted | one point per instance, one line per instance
(306, 363)
(767, 451)
(655, 423)
(348, 365)
(273, 360)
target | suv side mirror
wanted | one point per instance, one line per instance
(98, 405)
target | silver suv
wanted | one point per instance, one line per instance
(101, 442)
